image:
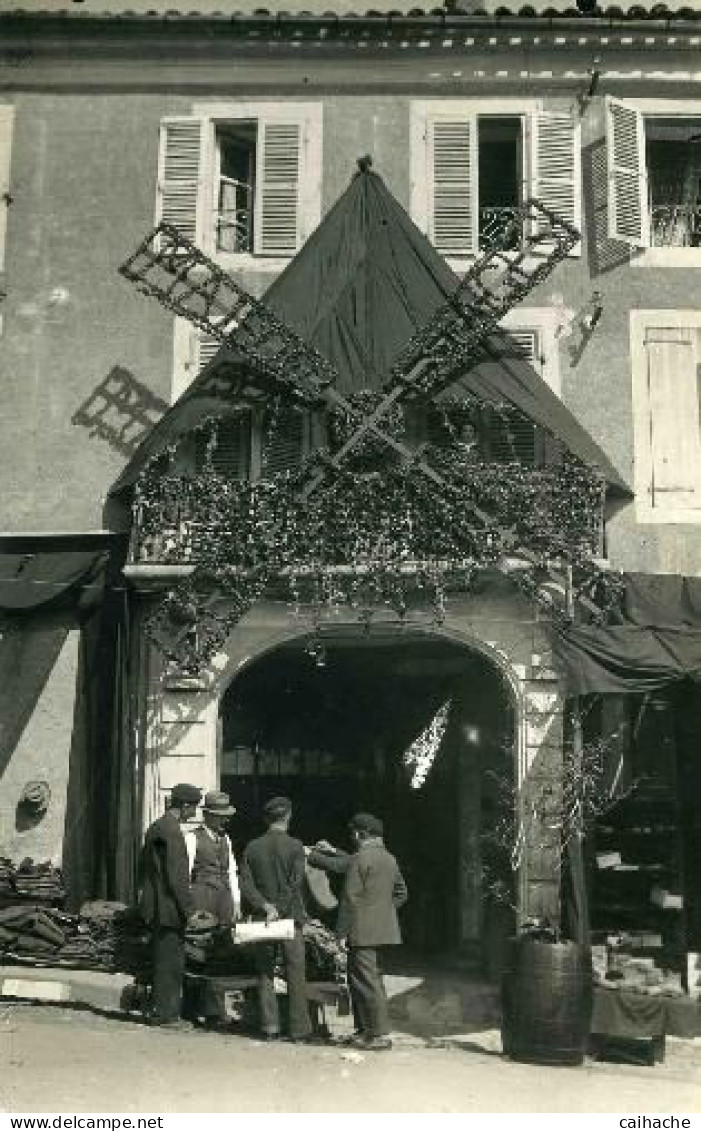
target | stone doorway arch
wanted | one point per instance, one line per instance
(183, 732)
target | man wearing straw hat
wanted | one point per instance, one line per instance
(213, 872)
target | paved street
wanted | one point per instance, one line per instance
(58, 1059)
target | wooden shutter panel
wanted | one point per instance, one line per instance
(511, 438)
(675, 426)
(207, 347)
(278, 160)
(284, 449)
(556, 166)
(232, 454)
(628, 209)
(452, 154)
(6, 123)
(181, 165)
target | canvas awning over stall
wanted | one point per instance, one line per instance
(657, 643)
(362, 285)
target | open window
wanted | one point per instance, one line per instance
(654, 171)
(242, 179)
(474, 163)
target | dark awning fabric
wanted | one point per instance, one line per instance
(51, 580)
(362, 285)
(658, 643)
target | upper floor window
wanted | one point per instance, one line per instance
(243, 179)
(666, 355)
(654, 171)
(474, 162)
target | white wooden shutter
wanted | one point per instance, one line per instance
(278, 163)
(675, 421)
(453, 179)
(628, 208)
(528, 342)
(6, 122)
(207, 347)
(556, 175)
(181, 172)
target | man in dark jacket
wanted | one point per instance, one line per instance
(373, 890)
(272, 877)
(166, 901)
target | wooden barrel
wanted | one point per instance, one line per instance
(546, 1002)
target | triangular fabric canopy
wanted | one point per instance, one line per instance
(362, 285)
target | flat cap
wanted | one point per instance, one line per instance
(277, 807)
(367, 823)
(185, 794)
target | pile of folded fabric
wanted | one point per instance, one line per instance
(39, 883)
(7, 871)
(325, 958)
(32, 933)
(119, 935)
(113, 942)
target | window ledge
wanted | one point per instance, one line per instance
(682, 257)
(681, 516)
(236, 262)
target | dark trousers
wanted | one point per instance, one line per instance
(168, 953)
(367, 991)
(299, 1019)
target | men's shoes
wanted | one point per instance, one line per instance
(309, 1039)
(376, 1044)
(177, 1026)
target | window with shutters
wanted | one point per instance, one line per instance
(243, 180)
(503, 436)
(474, 162)
(666, 354)
(247, 445)
(653, 150)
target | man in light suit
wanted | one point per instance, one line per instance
(373, 890)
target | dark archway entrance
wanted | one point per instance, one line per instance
(329, 724)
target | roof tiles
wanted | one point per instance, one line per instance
(247, 10)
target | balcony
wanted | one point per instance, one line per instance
(365, 519)
(675, 225)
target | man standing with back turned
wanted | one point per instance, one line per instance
(272, 878)
(373, 890)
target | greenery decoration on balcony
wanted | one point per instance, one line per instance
(377, 534)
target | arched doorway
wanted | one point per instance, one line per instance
(329, 720)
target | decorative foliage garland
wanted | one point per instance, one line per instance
(376, 533)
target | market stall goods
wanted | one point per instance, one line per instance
(37, 882)
(114, 941)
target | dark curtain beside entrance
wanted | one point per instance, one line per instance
(43, 596)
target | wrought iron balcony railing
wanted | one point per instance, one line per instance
(492, 222)
(234, 219)
(675, 225)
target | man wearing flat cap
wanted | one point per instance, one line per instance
(166, 901)
(213, 872)
(272, 879)
(373, 890)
